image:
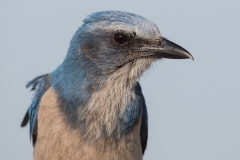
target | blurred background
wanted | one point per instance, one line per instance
(193, 106)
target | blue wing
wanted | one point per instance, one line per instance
(40, 86)
(144, 121)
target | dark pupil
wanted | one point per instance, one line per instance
(120, 39)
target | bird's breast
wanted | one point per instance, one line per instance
(56, 139)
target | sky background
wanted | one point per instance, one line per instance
(193, 106)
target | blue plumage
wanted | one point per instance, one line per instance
(96, 89)
(40, 85)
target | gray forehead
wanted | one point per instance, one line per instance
(123, 18)
(118, 16)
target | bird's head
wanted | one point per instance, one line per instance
(121, 44)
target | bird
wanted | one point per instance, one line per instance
(91, 107)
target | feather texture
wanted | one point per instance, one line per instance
(40, 85)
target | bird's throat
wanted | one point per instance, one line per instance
(98, 111)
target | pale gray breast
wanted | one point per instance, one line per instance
(57, 140)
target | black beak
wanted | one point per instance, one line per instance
(168, 49)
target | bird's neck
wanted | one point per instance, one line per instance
(97, 109)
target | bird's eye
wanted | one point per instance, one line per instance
(120, 38)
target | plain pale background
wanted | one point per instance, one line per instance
(193, 106)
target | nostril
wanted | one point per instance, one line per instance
(134, 33)
(159, 42)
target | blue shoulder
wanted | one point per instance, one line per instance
(144, 120)
(39, 85)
